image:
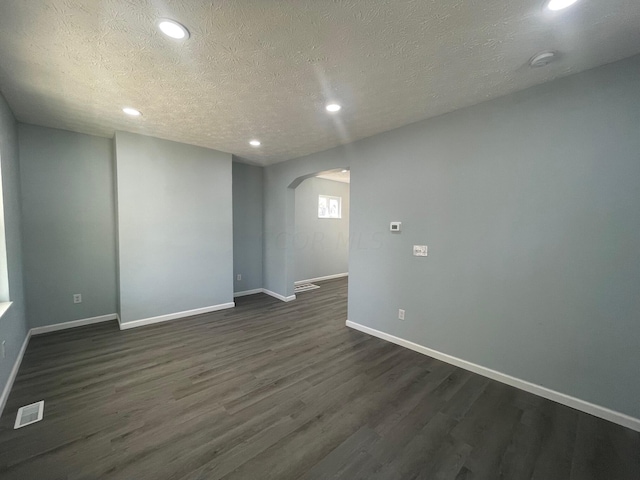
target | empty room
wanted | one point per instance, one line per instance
(320, 239)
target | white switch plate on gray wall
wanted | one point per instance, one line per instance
(419, 250)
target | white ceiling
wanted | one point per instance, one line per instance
(336, 176)
(265, 68)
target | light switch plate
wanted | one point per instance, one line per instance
(419, 250)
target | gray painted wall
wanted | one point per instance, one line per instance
(280, 181)
(530, 207)
(68, 216)
(247, 226)
(13, 324)
(321, 244)
(174, 226)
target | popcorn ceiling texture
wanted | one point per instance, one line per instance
(265, 68)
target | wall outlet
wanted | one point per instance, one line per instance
(77, 298)
(239, 277)
(400, 314)
(4, 349)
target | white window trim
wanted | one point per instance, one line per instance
(4, 306)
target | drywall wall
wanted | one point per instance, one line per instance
(13, 324)
(174, 211)
(321, 244)
(68, 212)
(530, 207)
(247, 227)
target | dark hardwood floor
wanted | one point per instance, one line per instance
(270, 390)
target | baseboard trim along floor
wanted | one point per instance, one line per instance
(573, 402)
(244, 293)
(14, 373)
(174, 316)
(320, 279)
(291, 297)
(266, 292)
(73, 323)
(278, 296)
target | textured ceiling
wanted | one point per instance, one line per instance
(265, 68)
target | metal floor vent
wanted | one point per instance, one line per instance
(29, 414)
(303, 287)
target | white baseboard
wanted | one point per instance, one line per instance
(265, 291)
(175, 316)
(14, 372)
(582, 405)
(248, 292)
(319, 279)
(72, 324)
(278, 296)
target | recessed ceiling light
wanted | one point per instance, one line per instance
(555, 5)
(345, 171)
(333, 107)
(131, 111)
(173, 29)
(254, 143)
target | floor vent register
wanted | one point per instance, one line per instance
(303, 287)
(29, 414)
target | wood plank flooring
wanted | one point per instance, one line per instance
(273, 390)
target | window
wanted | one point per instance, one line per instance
(329, 207)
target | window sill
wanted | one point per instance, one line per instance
(4, 306)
